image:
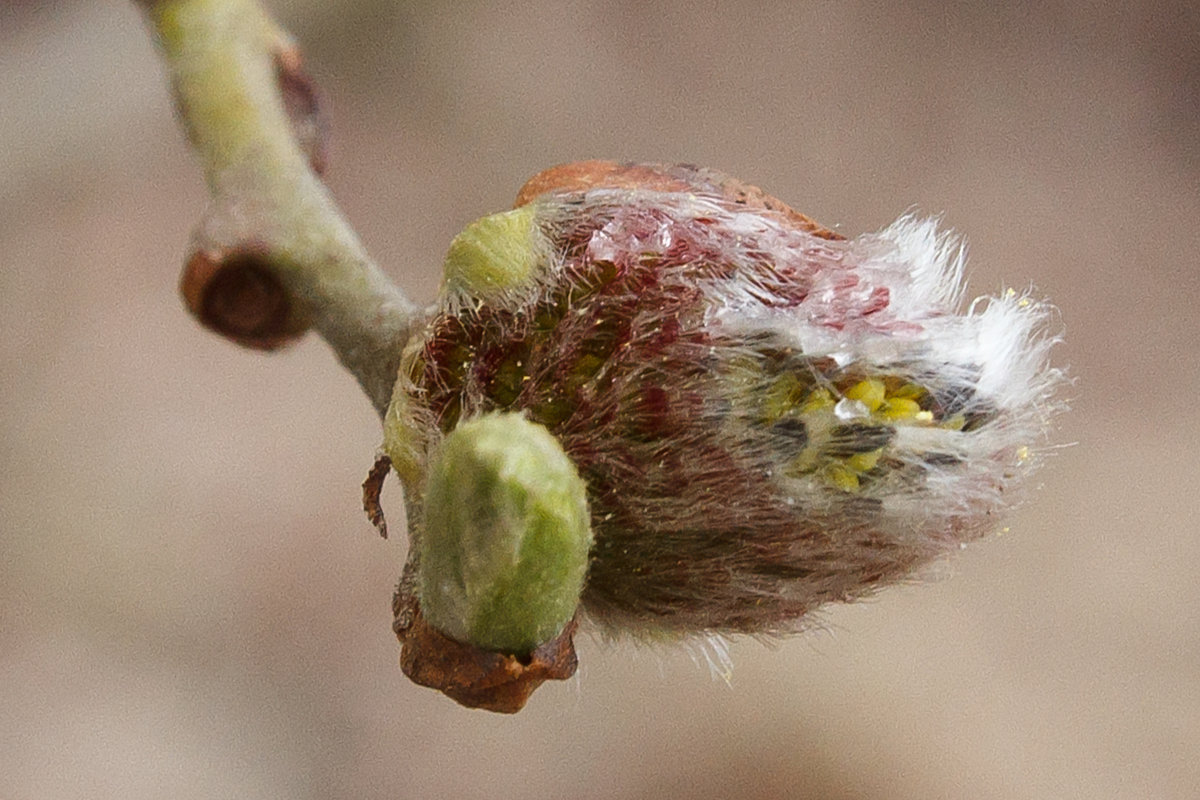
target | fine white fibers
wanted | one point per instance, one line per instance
(1014, 339)
(1001, 344)
(932, 261)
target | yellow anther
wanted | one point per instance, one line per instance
(909, 391)
(864, 462)
(782, 397)
(900, 408)
(821, 398)
(1022, 453)
(842, 477)
(924, 416)
(805, 462)
(869, 392)
(955, 423)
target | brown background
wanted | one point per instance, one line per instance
(192, 606)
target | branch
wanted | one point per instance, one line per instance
(272, 255)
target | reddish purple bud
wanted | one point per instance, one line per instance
(767, 417)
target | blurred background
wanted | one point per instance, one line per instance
(193, 606)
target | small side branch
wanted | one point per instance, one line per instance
(272, 255)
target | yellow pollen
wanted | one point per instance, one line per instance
(864, 462)
(842, 477)
(900, 408)
(870, 393)
(816, 401)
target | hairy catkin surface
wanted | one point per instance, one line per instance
(766, 420)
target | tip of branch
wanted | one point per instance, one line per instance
(237, 294)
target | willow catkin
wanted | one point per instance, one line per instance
(766, 419)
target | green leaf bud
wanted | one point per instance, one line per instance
(505, 536)
(494, 256)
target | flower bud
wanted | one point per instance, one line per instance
(767, 417)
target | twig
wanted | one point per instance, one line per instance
(272, 255)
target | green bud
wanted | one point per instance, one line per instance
(505, 540)
(494, 255)
(402, 437)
